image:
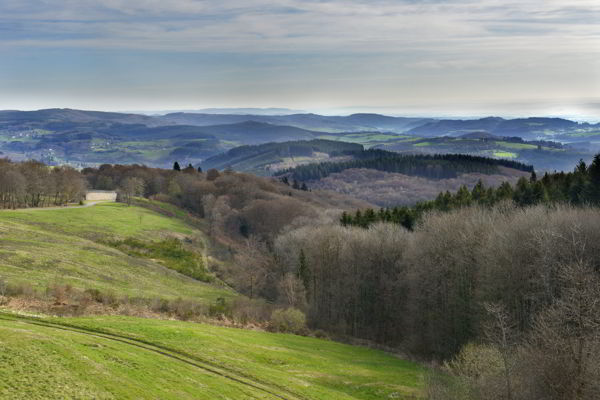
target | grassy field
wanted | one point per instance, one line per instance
(517, 146)
(64, 246)
(125, 357)
(505, 154)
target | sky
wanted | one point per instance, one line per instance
(400, 57)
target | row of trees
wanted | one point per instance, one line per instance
(582, 186)
(439, 166)
(33, 184)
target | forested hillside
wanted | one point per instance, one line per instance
(430, 166)
(390, 179)
(580, 187)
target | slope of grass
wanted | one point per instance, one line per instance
(42, 247)
(228, 363)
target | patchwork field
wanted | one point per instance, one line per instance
(125, 357)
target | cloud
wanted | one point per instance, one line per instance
(351, 48)
(258, 25)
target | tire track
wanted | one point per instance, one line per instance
(180, 356)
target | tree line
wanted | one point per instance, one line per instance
(439, 166)
(34, 184)
(582, 186)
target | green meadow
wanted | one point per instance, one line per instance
(66, 246)
(127, 358)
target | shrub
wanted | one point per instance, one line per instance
(170, 251)
(289, 320)
(186, 309)
(212, 174)
(3, 287)
(320, 334)
(245, 310)
(220, 308)
(21, 289)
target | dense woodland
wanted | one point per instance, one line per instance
(582, 186)
(444, 166)
(502, 284)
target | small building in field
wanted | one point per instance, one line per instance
(101, 195)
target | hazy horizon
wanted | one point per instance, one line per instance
(583, 113)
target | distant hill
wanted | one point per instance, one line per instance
(543, 154)
(86, 138)
(55, 115)
(83, 138)
(252, 132)
(267, 158)
(248, 111)
(523, 127)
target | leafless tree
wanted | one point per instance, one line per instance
(131, 187)
(565, 341)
